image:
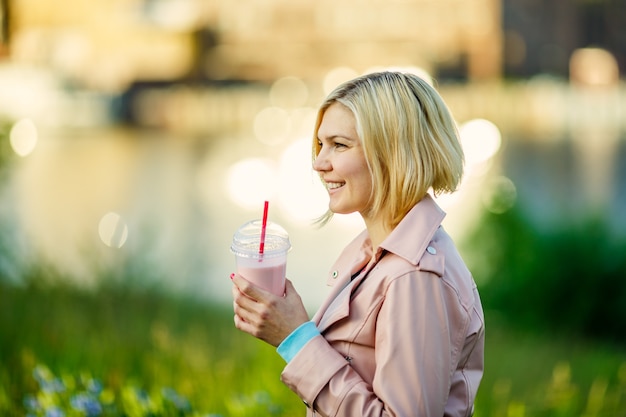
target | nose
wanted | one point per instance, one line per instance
(321, 162)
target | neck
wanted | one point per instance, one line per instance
(377, 232)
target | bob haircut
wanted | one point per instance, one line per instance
(410, 140)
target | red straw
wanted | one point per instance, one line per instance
(262, 245)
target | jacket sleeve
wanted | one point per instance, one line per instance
(420, 328)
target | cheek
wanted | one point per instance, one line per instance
(367, 188)
(364, 184)
(365, 176)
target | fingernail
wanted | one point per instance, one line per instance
(232, 276)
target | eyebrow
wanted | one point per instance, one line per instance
(334, 137)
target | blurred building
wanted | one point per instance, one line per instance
(461, 38)
(110, 44)
(540, 36)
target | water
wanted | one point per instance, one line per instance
(166, 205)
(170, 198)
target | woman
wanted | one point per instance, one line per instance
(402, 332)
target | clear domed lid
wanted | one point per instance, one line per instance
(247, 240)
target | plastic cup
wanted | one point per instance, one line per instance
(268, 269)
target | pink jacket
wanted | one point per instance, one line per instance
(404, 338)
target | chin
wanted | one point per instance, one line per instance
(339, 210)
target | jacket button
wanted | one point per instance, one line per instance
(431, 250)
(335, 274)
(306, 403)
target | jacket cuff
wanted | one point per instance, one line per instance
(296, 340)
(305, 376)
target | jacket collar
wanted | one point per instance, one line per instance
(408, 240)
(411, 237)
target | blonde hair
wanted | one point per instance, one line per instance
(410, 140)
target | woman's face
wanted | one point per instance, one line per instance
(341, 162)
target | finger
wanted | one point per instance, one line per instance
(241, 324)
(251, 311)
(243, 320)
(234, 291)
(238, 293)
(248, 323)
(243, 305)
(289, 287)
(250, 290)
(290, 291)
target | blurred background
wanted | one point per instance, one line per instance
(137, 135)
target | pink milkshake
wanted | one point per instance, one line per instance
(268, 269)
(269, 277)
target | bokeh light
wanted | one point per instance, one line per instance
(24, 137)
(593, 67)
(499, 194)
(481, 140)
(301, 194)
(251, 181)
(289, 92)
(302, 122)
(337, 76)
(272, 125)
(113, 230)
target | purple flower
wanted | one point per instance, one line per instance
(94, 386)
(86, 403)
(41, 374)
(181, 403)
(54, 412)
(53, 385)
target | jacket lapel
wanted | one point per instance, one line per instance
(337, 306)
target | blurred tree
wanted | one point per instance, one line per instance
(569, 278)
(6, 153)
(4, 25)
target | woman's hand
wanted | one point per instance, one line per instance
(264, 315)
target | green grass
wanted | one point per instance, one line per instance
(542, 374)
(148, 355)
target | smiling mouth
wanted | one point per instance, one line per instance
(334, 185)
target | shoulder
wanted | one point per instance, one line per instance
(443, 259)
(440, 262)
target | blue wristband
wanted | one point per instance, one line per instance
(296, 340)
